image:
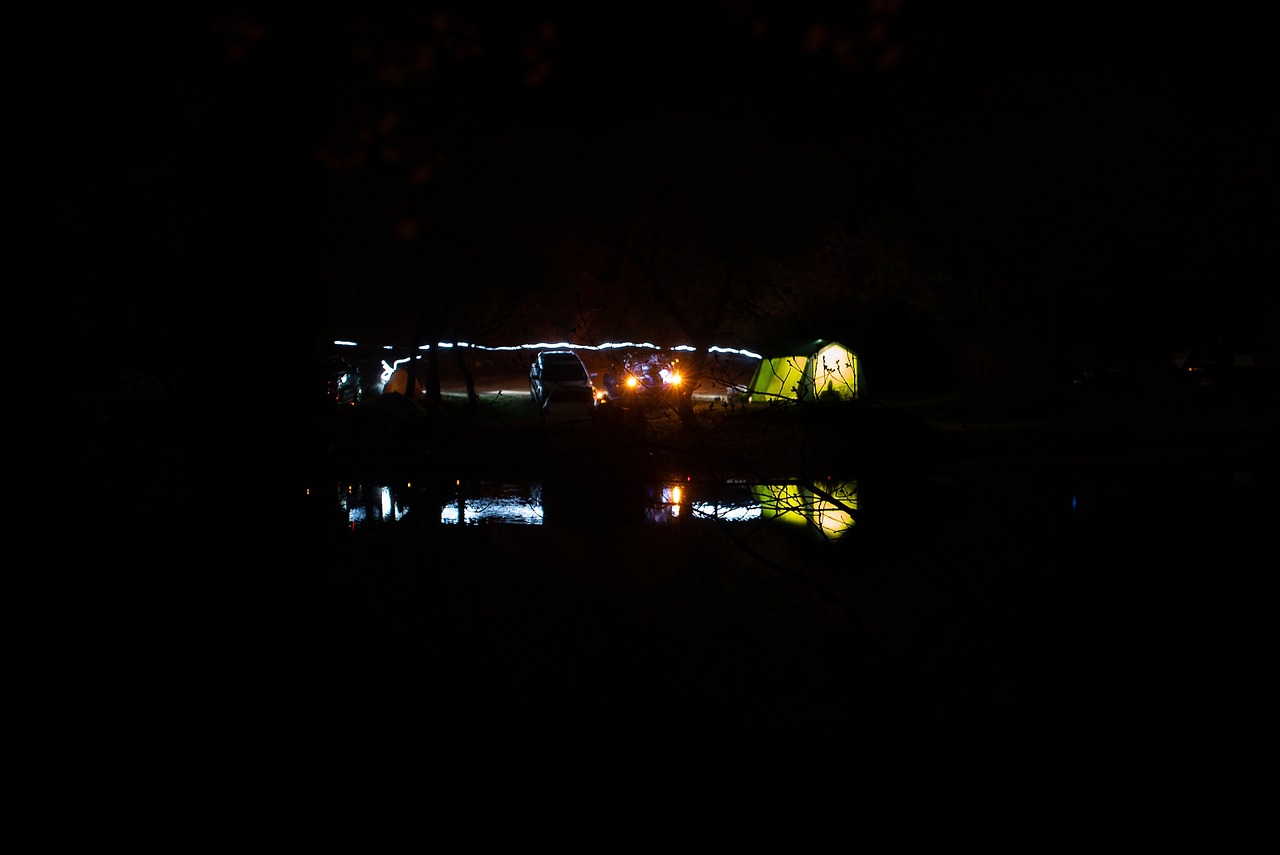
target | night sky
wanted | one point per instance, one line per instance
(1090, 171)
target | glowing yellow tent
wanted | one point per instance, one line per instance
(809, 371)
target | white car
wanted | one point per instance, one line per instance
(559, 376)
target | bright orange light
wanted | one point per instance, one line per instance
(632, 382)
(675, 379)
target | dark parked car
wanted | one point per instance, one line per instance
(341, 380)
(559, 376)
(642, 379)
(1225, 364)
(1093, 366)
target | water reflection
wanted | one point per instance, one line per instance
(513, 504)
(828, 507)
(371, 503)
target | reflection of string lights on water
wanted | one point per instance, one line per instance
(476, 503)
(363, 504)
(492, 510)
(725, 512)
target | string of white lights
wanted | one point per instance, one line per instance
(565, 345)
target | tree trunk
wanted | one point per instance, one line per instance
(693, 365)
(428, 334)
(464, 365)
(433, 376)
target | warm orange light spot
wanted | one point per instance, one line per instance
(815, 38)
(889, 57)
(537, 75)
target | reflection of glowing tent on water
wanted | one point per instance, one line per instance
(828, 507)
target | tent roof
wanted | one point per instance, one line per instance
(803, 347)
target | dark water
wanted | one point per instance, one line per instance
(1035, 653)
(1048, 651)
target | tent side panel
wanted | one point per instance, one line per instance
(777, 378)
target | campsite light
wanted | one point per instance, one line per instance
(632, 382)
(675, 379)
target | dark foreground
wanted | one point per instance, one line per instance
(1058, 637)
